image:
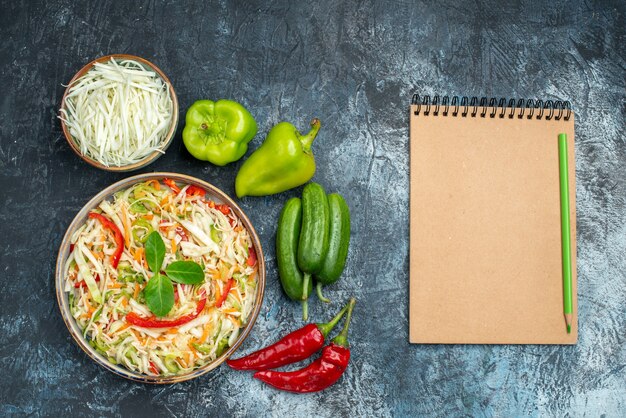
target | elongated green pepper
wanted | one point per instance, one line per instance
(218, 132)
(282, 162)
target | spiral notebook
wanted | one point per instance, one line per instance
(485, 231)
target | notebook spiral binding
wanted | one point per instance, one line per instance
(492, 106)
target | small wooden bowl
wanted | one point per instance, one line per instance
(148, 158)
(63, 299)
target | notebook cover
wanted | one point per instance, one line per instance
(485, 231)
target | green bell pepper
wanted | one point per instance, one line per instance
(218, 132)
(282, 162)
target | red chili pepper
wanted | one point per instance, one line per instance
(320, 374)
(117, 234)
(194, 190)
(225, 293)
(294, 347)
(72, 247)
(225, 209)
(251, 257)
(153, 368)
(172, 185)
(83, 284)
(181, 233)
(134, 319)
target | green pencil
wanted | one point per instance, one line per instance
(565, 232)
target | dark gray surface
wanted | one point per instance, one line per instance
(353, 65)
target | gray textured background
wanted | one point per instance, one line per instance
(354, 65)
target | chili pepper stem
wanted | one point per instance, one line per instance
(305, 296)
(325, 328)
(342, 338)
(307, 140)
(320, 295)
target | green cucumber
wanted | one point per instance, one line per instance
(294, 283)
(339, 237)
(313, 244)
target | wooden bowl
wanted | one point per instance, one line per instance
(63, 299)
(148, 158)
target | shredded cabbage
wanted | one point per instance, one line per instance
(118, 112)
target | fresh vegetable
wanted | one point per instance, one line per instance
(282, 162)
(112, 306)
(218, 132)
(321, 373)
(313, 244)
(118, 112)
(294, 283)
(117, 234)
(229, 285)
(339, 241)
(133, 318)
(172, 185)
(294, 347)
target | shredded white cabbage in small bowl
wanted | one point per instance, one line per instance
(118, 112)
(208, 316)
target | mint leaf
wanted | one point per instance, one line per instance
(155, 251)
(159, 293)
(186, 272)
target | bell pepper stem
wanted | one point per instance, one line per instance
(342, 338)
(307, 140)
(325, 328)
(305, 296)
(320, 295)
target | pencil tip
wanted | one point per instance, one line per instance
(569, 328)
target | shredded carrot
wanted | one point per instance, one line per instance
(123, 327)
(238, 296)
(115, 285)
(141, 339)
(230, 310)
(174, 246)
(155, 184)
(87, 304)
(238, 228)
(126, 225)
(218, 292)
(235, 321)
(205, 332)
(172, 330)
(138, 255)
(98, 255)
(191, 343)
(125, 303)
(183, 362)
(165, 200)
(148, 216)
(137, 290)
